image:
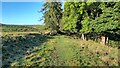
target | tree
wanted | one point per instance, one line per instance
(52, 15)
(73, 15)
(91, 11)
(77, 16)
(108, 20)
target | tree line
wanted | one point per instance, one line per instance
(98, 20)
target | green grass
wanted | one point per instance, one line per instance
(17, 33)
(38, 50)
(22, 28)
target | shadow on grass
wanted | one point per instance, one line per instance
(15, 48)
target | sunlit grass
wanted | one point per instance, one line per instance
(64, 51)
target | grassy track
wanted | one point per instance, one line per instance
(65, 51)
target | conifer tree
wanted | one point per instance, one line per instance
(52, 15)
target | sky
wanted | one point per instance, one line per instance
(22, 13)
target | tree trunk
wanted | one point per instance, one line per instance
(103, 40)
(87, 37)
(106, 40)
(83, 38)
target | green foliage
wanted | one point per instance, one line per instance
(75, 16)
(85, 16)
(92, 17)
(52, 15)
(108, 20)
(85, 24)
(73, 12)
